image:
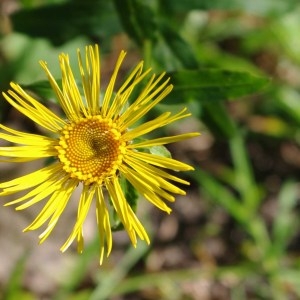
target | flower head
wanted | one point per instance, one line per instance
(94, 145)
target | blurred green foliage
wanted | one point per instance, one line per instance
(236, 65)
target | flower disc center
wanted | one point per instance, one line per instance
(91, 149)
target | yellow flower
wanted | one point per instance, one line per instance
(93, 147)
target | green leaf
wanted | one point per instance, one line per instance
(208, 87)
(251, 222)
(108, 282)
(290, 277)
(244, 181)
(286, 220)
(13, 289)
(178, 46)
(287, 101)
(286, 31)
(265, 7)
(82, 294)
(217, 119)
(61, 22)
(43, 90)
(221, 195)
(138, 19)
(212, 85)
(78, 271)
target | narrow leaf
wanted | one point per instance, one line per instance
(286, 220)
(137, 18)
(61, 22)
(212, 85)
(178, 46)
(266, 7)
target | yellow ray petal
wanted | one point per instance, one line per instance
(60, 206)
(163, 140)
(29, 141)
(163, 162)
(41, 192)
(123, 95)
(68, 108)
(38, 108)
(110, 87)
(146, 127)
(125, 213)
(85, 201)
(135, 224)
(55, 205)
(33, 109)
(20, 137)
(90, 77)
(103, 222)
(159, 188)
(161, 183)
(30, 180)
(144, 189)
(141, 129)
(154, 170)
(35, 152)
(70, 89)
(119, 205)
(143, 104)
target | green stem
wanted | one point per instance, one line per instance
(147, 53)
(247, 187)
(113, 279)
(244, 179)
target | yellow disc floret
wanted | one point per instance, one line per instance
(91, 149)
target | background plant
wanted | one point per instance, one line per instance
(236, 65)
